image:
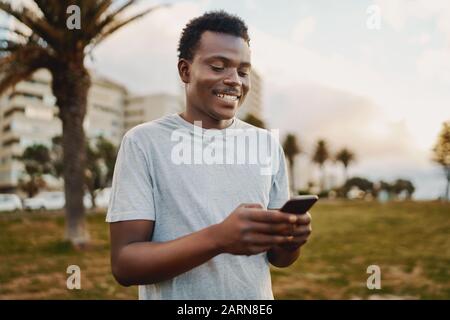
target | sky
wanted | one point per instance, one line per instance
(373, 76)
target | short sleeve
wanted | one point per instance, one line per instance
(132, 191)
(279, 192)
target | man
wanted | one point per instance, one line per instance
(184, 226)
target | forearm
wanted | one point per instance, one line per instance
(151, 262)
(281, 257)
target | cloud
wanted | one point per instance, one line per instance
(422, 39)
(401, 12)
(435, 64)
(344, 120)
(143, 55)
(303, 29)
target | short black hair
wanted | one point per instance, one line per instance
(216, 21)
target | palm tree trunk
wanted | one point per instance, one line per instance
(345, 174)
(322, 169)
(70, 86)
(447, 190)
(291, 173)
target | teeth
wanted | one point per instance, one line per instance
(227, 97)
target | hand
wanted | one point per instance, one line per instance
(299, 233)
(250, 229)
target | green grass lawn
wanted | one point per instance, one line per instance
(409, 241)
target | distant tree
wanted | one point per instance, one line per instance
(402, 185)
(291, 149)
(320, 156)
(100, 160)
(442, 154)
(36, 160)
(362, 184)
(386, 187)
(253, 120)
(346, 157)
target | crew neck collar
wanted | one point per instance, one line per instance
(191, 126)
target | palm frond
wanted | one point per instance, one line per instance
(111, 27)
(22, 62)
(53, 10)
(33, 22)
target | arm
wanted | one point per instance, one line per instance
(135, 260)
(246, 231)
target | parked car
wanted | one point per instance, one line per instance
(48, 200)
(10, 202)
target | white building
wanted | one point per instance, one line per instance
(28, 115)
(140, 109)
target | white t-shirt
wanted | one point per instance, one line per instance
(186, 178)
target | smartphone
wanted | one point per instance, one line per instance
(299, 204)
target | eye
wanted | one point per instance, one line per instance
(217, 68)
(243, 74)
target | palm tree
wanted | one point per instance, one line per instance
(346, 157)
(442, 154)
(101, 159)
(43, 39)
(291, 149)
(320, 156)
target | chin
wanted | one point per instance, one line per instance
(224, 113)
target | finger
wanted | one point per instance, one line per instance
(267, 240)
(271, 216)
(304, 219)
(299, 241)
(272, 228)
(301, 230)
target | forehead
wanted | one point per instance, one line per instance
(219, 44)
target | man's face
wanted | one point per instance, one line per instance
(219, 75)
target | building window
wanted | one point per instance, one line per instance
(28, 95)
(38, 81)
(106, 109)
(10, 141)
(7, 128)
(13, 110)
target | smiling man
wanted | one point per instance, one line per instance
(203, 230)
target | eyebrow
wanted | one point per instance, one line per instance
(225, 59)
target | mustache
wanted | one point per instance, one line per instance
(228, 91)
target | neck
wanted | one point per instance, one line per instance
(208, 121)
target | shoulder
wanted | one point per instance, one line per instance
(151, 130)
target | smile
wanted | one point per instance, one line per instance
(227, 97)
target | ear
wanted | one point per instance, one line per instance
(184, 67)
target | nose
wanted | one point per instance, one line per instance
(233, 79)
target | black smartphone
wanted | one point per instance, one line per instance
(299, 204)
